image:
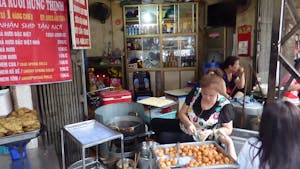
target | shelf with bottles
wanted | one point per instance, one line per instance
(141, 20)
(139, 29)
(161, 38)
(172, 59)
(179, 42)
(142, 43)
(104, 61)
(147, 59)
(179, 51)
(179, 18)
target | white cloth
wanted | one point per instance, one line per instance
(248, 151)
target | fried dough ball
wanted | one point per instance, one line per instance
(202, 155)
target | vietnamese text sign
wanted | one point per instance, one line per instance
(34, 42)
(80, 30)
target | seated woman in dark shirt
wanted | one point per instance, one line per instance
(204, 111)
(233, 76)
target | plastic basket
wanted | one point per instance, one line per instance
(3, 150)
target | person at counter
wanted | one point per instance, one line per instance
(277, 145)
(203, 112)
(292, 93)
(233, 76)
(222, 85)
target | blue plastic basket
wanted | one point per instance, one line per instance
(16, 155)
(18, 151)
(3, 150)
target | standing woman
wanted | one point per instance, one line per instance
(277, 145)
(204, 111)
(234, 76)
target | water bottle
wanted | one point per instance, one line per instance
(127, 29)
(146, 82)
(137, 30)
(130, 30)
(145, 152)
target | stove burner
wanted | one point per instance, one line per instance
(128, 144)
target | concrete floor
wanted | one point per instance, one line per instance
(37, 158)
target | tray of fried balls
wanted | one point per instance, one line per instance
(19, 125)
(198, 155)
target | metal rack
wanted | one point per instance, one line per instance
(88, 134)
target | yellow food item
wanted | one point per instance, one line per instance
(203, 155)
(19, 121)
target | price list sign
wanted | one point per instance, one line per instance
(34, 42)
(79, 19)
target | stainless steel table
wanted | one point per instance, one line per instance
(88, 134)
(37, 158)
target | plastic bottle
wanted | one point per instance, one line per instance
(145, 152)
(130, 30)
(127, 29)
(137, 30)
(146, 82)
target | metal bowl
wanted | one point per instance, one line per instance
(128, 163)
(78, 164)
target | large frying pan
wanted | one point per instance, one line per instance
(128, 125)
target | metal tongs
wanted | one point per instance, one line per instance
(196, 137)
(178, 155)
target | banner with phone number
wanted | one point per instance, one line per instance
(34, 42)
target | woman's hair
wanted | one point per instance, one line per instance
(230, 61)
(216, 71)
(280, 136)
(210, 78)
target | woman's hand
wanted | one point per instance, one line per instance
(191, 129)
(240, 71)
(204, 134)
(225, 139)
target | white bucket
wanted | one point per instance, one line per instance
(5, 102)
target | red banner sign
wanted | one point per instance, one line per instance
(244, 40)
(34, 42)
(80, 30)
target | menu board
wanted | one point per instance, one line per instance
(79, 17)
(34, 42)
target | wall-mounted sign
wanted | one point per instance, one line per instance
(34, 42)
(244, 40)
(80, 29)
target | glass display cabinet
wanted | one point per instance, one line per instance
(179, 51)
(161, 38)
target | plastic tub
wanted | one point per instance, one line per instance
(5, 102)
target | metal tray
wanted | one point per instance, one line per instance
(90, 133)
(223, 166)
(19, 137)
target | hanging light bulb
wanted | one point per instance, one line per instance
(147, 18)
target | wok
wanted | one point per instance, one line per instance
(128, 125)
